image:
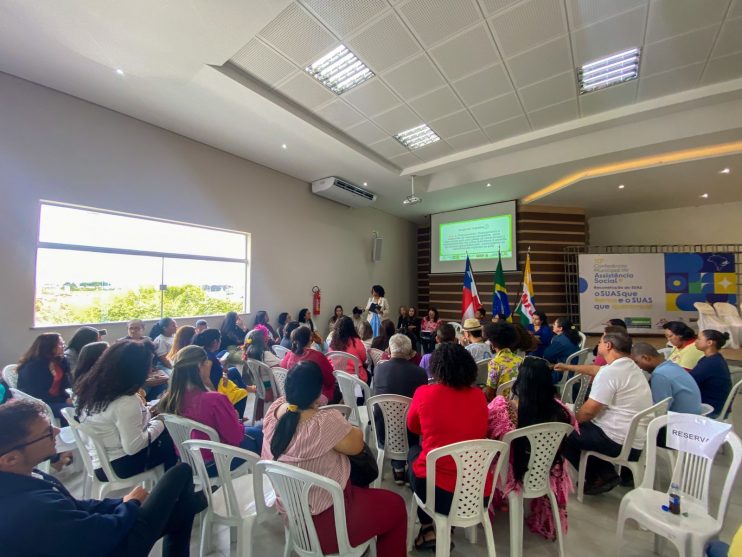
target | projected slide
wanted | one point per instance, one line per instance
(480, 238)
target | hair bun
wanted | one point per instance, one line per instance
(725, 335)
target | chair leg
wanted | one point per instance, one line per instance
(411, 523)
(658, 543)
(287, 546)
(581, 476)
(515, 502)
(380, 465)
(244, 539)
(557, 522)
(471, 532)
(205, 534)
(488, 535)
(442, 538)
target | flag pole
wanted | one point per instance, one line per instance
(523, 279)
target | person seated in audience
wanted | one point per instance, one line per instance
(189, 396)
(711, 373)
(39, 516)
(474, 342)
(503, 367)
(135, 330)
(301, 351)
(157, 381)
(448, 411)
(444, 334)
(683, 340)
(201, 326)
(110, 403)
(283, 318)
(257, 348)
(346, 339)
(542, 331)
(43, 372)
(262, 318)
(336, 314)
(668, 380)
(525, 340)
(565, 342)
(236, 389)
(83, 335)
(357, 319)
(413, 326)
(305, 318)
(398, 376)
(89, 355)
(402, 319)
(290, 326)
(233, 331)
(428, 327)
(481, 315)
(381, 341)
(320, 441)
(535, 401)
(183, 337)
(588, 369)
(365, 334)
(610, 325)
(619, 391)
(163, 336)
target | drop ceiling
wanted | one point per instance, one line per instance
(495, 79)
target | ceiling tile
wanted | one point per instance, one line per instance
(262, 62)
(466, 53)
(436, 104)
(345, 16)
(609, 36)
(491, 7)
(467, 140)
(673, 17)
(609, 98)
(554, 114)
(497, 110)
(586, 12)
(414, 78)
(367, 132)
(340, 114)
(388, 147)
(306, 90)
(434, 151)
(508, 128)
(483, 85)
(670, 82)
(554, 90)
(434, 20)
(544, 61)
(403, 161)
(529, 24)
(723, 69)
(397, 119)
(372, 97)
(453, 124)
(678, 51)
(298, 35)
(730, 38)
(385, 43)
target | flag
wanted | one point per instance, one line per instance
(526, 305)
(470, 299)
(500, 304)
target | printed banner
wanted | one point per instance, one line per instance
(649, 289)
(695, 434)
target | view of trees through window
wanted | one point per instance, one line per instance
(133, 268)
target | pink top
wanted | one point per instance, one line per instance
(312, 449)
(357, 349)
(428, 326)
(312, 355)
(214, 410)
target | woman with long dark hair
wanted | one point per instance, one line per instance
(542, 331)
(712, 371)
(83, 335)
(346, 339)
(337, 313)
(236, 390)
(262, 319)
(183, 337)
(43, 372)
(89, 355)
(683, 339)
(320, 441)
(110, 402)
(232, 332)
(566, 341)
(305, 318)
(301, 351)
(283, 319)
(535, 402)
(257, 348)
(163, 336)
(381, 341)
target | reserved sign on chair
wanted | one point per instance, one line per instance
(695, 434)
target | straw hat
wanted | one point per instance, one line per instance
(472, 325)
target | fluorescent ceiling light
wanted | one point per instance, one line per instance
(608, 71)
(417, 137)
(340, 70)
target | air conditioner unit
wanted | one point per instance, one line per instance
(343, 192)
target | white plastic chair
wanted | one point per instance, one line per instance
(575, 359)
(640, 420)
(457, 327)
(280, 351)
(240, 502)
(352, 387)
(482, 370)
(506, 386)
(279, 375)
(10, 375)
(473, 460)
(339, 361)
(394, 446)
(666, 351)
(374, 356)
(545, 440)
(583, 339)
(707, 319)
(689, 532)
(706, 409)
(724, 415)
(292, 487)
(727, 314)
(260, 372)
(344, 409)
(90, 480)
(584, 381)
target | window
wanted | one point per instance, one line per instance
(97, 267)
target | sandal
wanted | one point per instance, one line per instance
(422, 542)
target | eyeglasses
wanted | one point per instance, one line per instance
(48, 435)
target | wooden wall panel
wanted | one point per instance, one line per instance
(546, 230)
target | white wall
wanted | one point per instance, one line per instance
(705, 224)
(57, 147)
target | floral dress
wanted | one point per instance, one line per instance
(503, 418)
(502, 368)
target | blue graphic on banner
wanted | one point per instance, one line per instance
(699, 277)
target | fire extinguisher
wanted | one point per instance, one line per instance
(316, 299)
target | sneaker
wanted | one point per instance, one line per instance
(602, 485)
(400, 476)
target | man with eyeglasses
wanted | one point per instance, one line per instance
(39, 517)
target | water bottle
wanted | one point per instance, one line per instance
(674, 505)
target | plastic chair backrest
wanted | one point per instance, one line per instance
(473, 460)
(545, 440)
(692, 472)
(344, 409)
(394, 410)
(725, 309)
(180, 430)
(506, 386)
(260, 372)
(723, 415)
(69, 415)
(339, 361)
(704, 308)
(11, 375)
(642, 419)
(20, 395)
(583, 339)
(348, 385)
(482, 371)
(706, 409)
(374, 354)
(280, 351)
(292, 486)
(223, 456)
(457, 327)
(584, 381)
(575, 359)
(666, 351)
(279, 376)
(100, 452)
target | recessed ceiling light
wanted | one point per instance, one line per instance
(120, 71)
(489, 185)
(724, 171)
(621, 186)
(339, 70)
(611, 70)
(417, 137)
(705, 195)
(284, 146)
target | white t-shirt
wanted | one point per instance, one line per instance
(479, 351)
(623, 389)
(163, 344)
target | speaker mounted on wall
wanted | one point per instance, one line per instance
(376, 247)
